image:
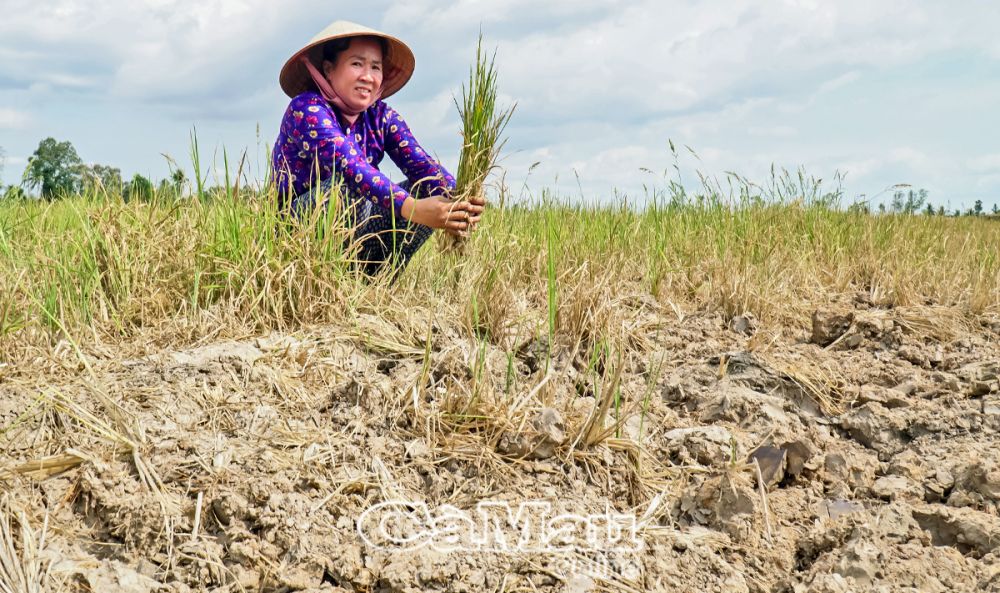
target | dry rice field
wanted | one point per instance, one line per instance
(771, 395)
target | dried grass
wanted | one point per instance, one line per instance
(22, 568)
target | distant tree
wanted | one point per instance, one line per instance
(929, 210)
(216, 192)
(167, 191)
(958, 212)
(995, 209)
(103, 178)
(908, 202)
(977, 209)
(897, 202)
(881, 208)
(941, 211)
(859, 208)
(54, 169)
(178, 178)
(140, 188)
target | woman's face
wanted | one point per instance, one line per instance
(357, 75)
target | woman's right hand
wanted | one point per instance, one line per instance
(439, 213)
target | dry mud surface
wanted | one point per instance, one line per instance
(861, 456)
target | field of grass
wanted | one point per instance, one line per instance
(95, 267)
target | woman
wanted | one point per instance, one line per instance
(337, 129)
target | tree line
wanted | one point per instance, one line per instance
(55, 170)
(915, 201)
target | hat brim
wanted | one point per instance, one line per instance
(398, 65)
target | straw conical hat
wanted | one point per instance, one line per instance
(397, 68)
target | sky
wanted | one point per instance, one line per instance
(883, 92)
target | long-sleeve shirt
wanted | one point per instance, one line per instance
(312, 141)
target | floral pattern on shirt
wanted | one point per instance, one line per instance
(313, 141)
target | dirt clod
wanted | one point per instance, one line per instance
(827, 326)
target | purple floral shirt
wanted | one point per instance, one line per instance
(311, 135)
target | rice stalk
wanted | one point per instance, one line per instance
(46, 467)
(483, 123)
(23, 572)
(593, 430)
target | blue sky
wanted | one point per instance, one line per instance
(883, 91)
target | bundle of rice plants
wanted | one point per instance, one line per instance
(483, 123)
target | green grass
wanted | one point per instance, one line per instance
(97, 264)
(483, 123)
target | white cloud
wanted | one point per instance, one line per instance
(603, 165)
(987, 163)
(641, 58)
(13, 119)
(617, 59)
(909, 156)
(772, 131)
(988, 185)
(600, 84)
(435, 113)
(840, 81)
(175, 50)
(860, 168)
(726, 117)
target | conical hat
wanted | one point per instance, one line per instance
(397, 64)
